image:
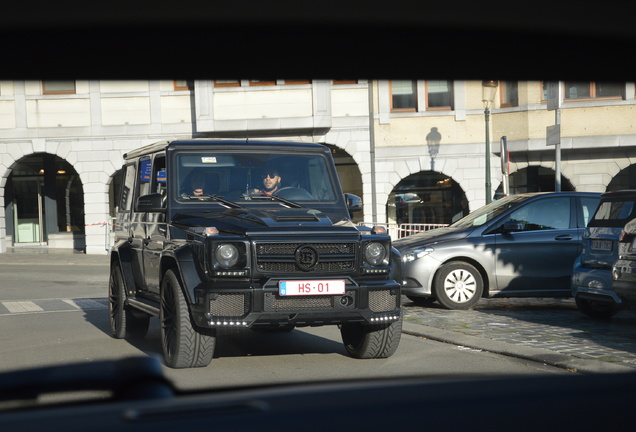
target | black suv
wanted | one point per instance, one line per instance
(251, 235)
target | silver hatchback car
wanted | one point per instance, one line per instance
(520, 246)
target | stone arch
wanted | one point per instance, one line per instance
(43, 202)
(427, 197)
(624, 179)
(534, 178)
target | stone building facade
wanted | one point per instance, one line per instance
(414, 150)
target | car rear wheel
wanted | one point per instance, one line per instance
(124, 322)
(365, 341)
(183, 345)
(596, 309)
(458, 285)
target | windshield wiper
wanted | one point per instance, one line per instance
(218, 198)
(271, 197)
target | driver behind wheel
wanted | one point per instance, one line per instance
(271, 182)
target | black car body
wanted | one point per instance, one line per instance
(604, 243)
(520, 246)
(624, 269)
(236, 257)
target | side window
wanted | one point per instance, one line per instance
(159, 177)
(144, 177)
(320, 185)
(546, 214)
(125, 202)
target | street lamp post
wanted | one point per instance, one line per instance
(489, 89)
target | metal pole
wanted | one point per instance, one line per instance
(374, 212)
(557, 155)
(488, 185)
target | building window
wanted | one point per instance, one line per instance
(181, 85)
(509, 94)
(227, 83)
(439, 95)
(344, 81)
(403, 95)
(593, 90)
(262, 82)
(297, 81)
(58, 87)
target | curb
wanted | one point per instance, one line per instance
(540, 355)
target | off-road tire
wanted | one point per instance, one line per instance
(374, 341)
(124, 322)
(184, 346)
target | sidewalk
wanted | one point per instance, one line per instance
(44, 256)
(550, 331)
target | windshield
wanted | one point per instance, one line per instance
(252, 177)
(488, 212)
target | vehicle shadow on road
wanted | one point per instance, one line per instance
(236, 342)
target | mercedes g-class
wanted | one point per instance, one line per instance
(250, 235)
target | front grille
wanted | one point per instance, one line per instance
(229, 305)
(275, 302)
(280, 257)
(382, 301)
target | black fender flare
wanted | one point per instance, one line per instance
(122, 254)
(183, 262)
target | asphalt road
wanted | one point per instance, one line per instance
(47, 300)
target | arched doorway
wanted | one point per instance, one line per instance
(427, 197)
(625, 179)
(44, 203)
(534, 179)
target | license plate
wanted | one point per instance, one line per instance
(602, 245)
(311, 287)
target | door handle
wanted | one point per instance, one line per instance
(563, 237)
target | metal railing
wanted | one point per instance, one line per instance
(397, 231)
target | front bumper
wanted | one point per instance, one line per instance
(594, 284)
(263, 307)
(418, 276)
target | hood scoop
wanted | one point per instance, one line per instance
(296, 218)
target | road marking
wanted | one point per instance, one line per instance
(22, 307)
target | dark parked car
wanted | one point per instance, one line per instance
(604, 243)
(624, 270)
(520, 246)
(252, 235)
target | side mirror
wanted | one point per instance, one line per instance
(511, 226)
(150, 203)
(354, 202)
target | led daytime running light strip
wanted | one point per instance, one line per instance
(229, 323)
(385, 318)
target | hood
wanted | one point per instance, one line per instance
(438, 235)
(243, 220)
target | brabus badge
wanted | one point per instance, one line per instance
(306, 257)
